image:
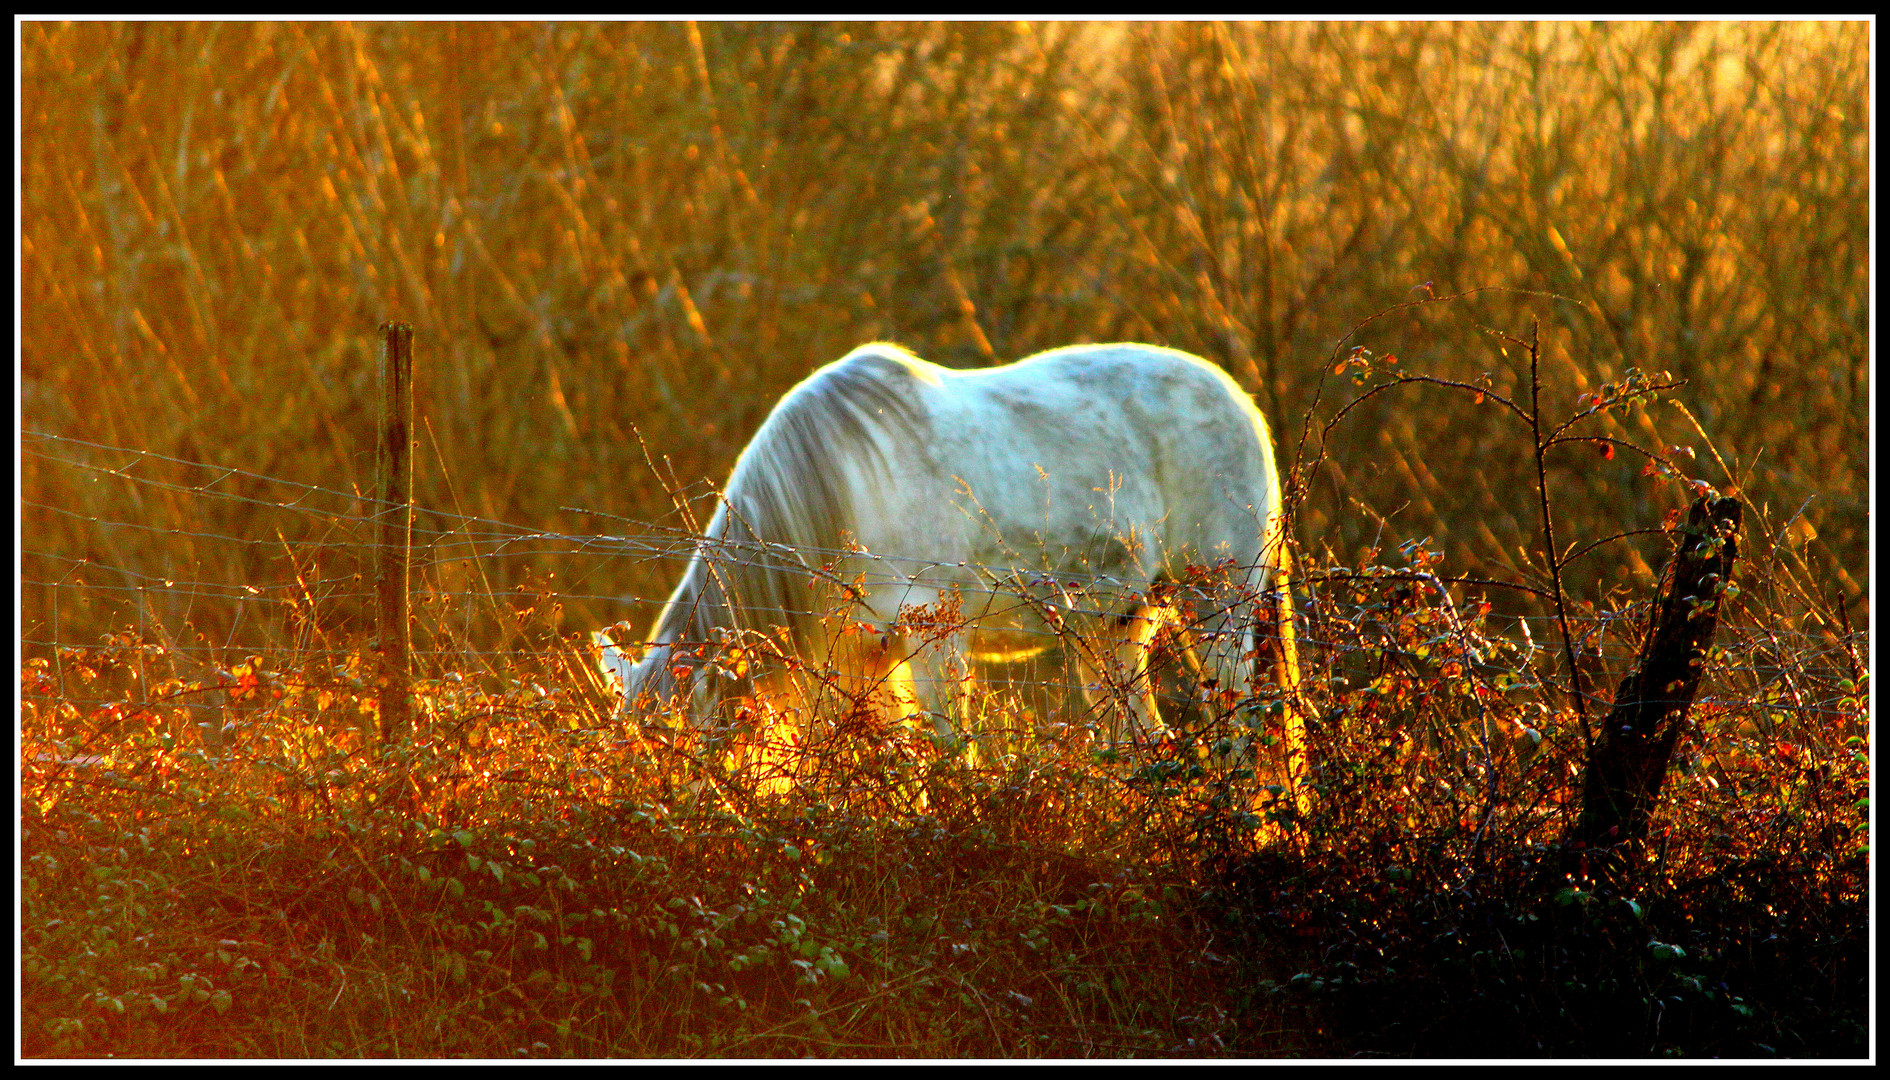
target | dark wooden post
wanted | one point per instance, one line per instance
(396, 527)
(1629, 761)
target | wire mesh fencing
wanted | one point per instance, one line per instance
(214, 568)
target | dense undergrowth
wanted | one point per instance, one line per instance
(1434, 911)
(523, 878)
(231, 863)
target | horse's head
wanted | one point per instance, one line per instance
(663, 671)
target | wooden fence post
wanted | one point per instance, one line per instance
(1629, 762)
(396, 527)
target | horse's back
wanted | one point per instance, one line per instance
(1118, 387)
(1082, 453)
(1145, 371)
(1116, 438)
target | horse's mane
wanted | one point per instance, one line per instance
(790, 502)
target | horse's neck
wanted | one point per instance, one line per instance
(682, 617)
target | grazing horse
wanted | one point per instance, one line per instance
(888, 507)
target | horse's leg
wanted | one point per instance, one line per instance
(868, 672)
(939, 682)
(1248, 645)
(1225, 650)
(1113, 666)
(1279, 651)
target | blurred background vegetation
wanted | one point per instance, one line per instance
(617, 236)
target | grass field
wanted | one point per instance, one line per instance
(1483, 279)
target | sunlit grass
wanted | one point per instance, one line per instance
(235, 863)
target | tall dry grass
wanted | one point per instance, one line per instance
(606, 231)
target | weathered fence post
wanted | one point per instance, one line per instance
(1630, 757)
(396, 527)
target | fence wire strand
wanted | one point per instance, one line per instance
(447, 540)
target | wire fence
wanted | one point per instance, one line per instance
(142, 554)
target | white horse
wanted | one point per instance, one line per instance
(889, 506)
